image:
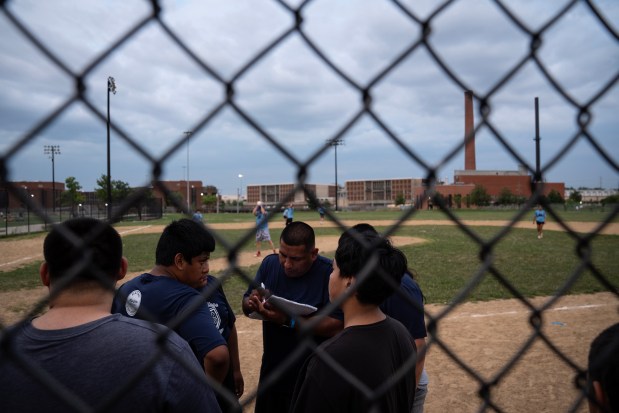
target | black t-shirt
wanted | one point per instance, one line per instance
(373, 354)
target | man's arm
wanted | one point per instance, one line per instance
(217, 362)
(326, 327)
(421, 357)
(235, 363)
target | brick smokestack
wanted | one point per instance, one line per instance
(469, 132)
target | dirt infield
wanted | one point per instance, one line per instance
(485, 336)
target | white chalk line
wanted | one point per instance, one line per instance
(21, 259)
(40, 255)
(564, 308)
(134, 229)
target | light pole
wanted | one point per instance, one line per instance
(335, 143)
(52, 151)
(111, 87)
(188, 134)
(239, 193)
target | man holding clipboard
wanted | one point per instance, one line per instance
(297, 274)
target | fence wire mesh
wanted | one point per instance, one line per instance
(301, 165)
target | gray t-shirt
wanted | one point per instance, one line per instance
(115, 364)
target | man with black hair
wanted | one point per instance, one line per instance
(406, 306)
(79, 356)
(170, 294)
(299, 274)
(603, 375)
(373, 349)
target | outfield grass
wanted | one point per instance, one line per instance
(421, 215)
(445, 264)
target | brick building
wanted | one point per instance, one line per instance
(372, 193)
(42, 193)
(273, 194)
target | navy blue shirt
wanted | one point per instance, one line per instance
(164, 300)
(280, 342)
(402, 308)
(220, 309)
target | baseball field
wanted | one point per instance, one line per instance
(489, 337)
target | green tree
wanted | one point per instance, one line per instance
(120, 190)
(613, 199)
(311, 204)
(400, 200)
(480, 196)
(575, 196)
(174, 199)
(458, 200)
(209, 202)
(72, 195)
(210, 190)
(554, 197)
(506, 197)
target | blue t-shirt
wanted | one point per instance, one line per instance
(221, 312)
(261, 220)
(279, 342)
(540, 215)
(164, 300)
(289, 213)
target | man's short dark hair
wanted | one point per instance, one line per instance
(84, 249)
(299, 233)
(184, 236)
(356, 250)
(604, 364)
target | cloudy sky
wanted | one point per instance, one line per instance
(285, 106)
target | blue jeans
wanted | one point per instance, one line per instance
(420, 398)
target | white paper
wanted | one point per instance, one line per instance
(288, 306)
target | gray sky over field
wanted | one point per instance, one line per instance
(296, 99)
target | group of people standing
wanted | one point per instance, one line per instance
(145, 346)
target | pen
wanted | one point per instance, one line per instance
(263, 292)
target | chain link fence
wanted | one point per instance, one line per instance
(424, 42)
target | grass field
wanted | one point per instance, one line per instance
(445, 264)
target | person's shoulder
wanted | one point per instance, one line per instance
(270, 260)
(138, 329)
(397, 326)
(409, 282)
(324, 263)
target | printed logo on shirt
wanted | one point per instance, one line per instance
(133, 302)
(215, 314)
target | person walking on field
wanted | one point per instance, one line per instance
(97, 361)
(289, 214)
(262, 228)
(321, 212)
(540, 219)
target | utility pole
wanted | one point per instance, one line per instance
(111, 87)
(335, 143)
(188, 134)
(538, 173)
(52, 151)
